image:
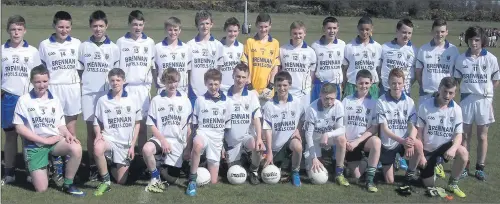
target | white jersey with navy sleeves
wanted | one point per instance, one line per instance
(96, 62)
(439, 125)
(177, 57)
(137, 58)
(396, 56)
(42, 116)
(281, 119)
(329, 59)
(359, 115)
(117, 118)
(61, 59)
(397, 114)
(16, 67)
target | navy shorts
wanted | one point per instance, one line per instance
(388, 156)
(9, 102)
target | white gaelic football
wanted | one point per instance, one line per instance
(319, 177)
(203, 176)
(271, 174)
(236, 175)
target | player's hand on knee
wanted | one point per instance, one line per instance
(423, 162)
(324, 141)
(409, 142)
(165, 146)
(52, 140)
(259, 145)
(70, 139)
(98, 138)
(450, 154)
(131, 153)
(317, 165)
(409, 152)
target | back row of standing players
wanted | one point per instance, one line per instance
(327, 61)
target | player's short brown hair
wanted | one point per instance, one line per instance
(170, 75)
(328, 88)
(213, 74)
(16, 19)
(397, 72)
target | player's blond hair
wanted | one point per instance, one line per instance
(297, 24)
(172, 22)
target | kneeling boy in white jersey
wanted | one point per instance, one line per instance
(169, 116)
(396, 117)
(324, 125)
(281, 126)
(360, 124)
(245, 132)
(211, 117)
(39, 119)
(440, 130)
(116, 126)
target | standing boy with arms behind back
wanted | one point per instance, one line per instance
(330, 55)
(262, 57)
(477, 70)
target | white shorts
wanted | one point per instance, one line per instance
(142, 96)
(174, 158)
(117, 152)
(211, 148)
(478, 109)
(70, 96)
(89, 102)
(316, 148)
(234, 153)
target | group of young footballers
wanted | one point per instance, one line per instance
(224, 98)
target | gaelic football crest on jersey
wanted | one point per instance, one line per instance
(292, 113)
(271, 52)
(213, 53)
(73, 52)
(448, 58)
(484, 67)
(146, 50)
(304, 57)
(373, 54)
(106, 56)
(128, 109)
(183, 55)
(405, 113)
(26, 59)
(136, 49)
(400, 54)
(338, 53)
(224, 111)
(247, 106)
(179, 109)
(452, 119)
(238, 55)
(408, 57)
(368, 111)
(53, 111)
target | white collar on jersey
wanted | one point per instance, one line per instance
(124, 93)
(482, 53)
(128, 35)
(164, 93)
(358, 40)
(243, 93)
(209, 96)
(322, 40)
(33, 94)
(7, 44)
(269, 37)
(451, 104)
(389, 98)
(304, 44)
(164, 42)
(223, 41)
(53, 39)
(277, 101)
(197, 38)
(106, 39)
(395, 42)
(446, 44)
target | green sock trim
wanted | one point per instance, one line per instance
(68, 182)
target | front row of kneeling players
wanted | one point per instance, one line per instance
(232, 123)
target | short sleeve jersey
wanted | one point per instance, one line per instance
(117, 117)
(137, 58)
(205, 55)
(359, 115)
(329, 60)
(171, 115)
(397, 114)
(477, 74)
(439, 125)
(177, 57)
(358, 56)
(212, 115)
(16, 67)
(61, 59)
(96, 62)
(261, 58)
(245, 108)
(396, 56)
(231, 56)
(281, 119)
(299, 62)
(436, 63)
(42, 116)
(323, 120)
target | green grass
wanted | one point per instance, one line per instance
(39, 27)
